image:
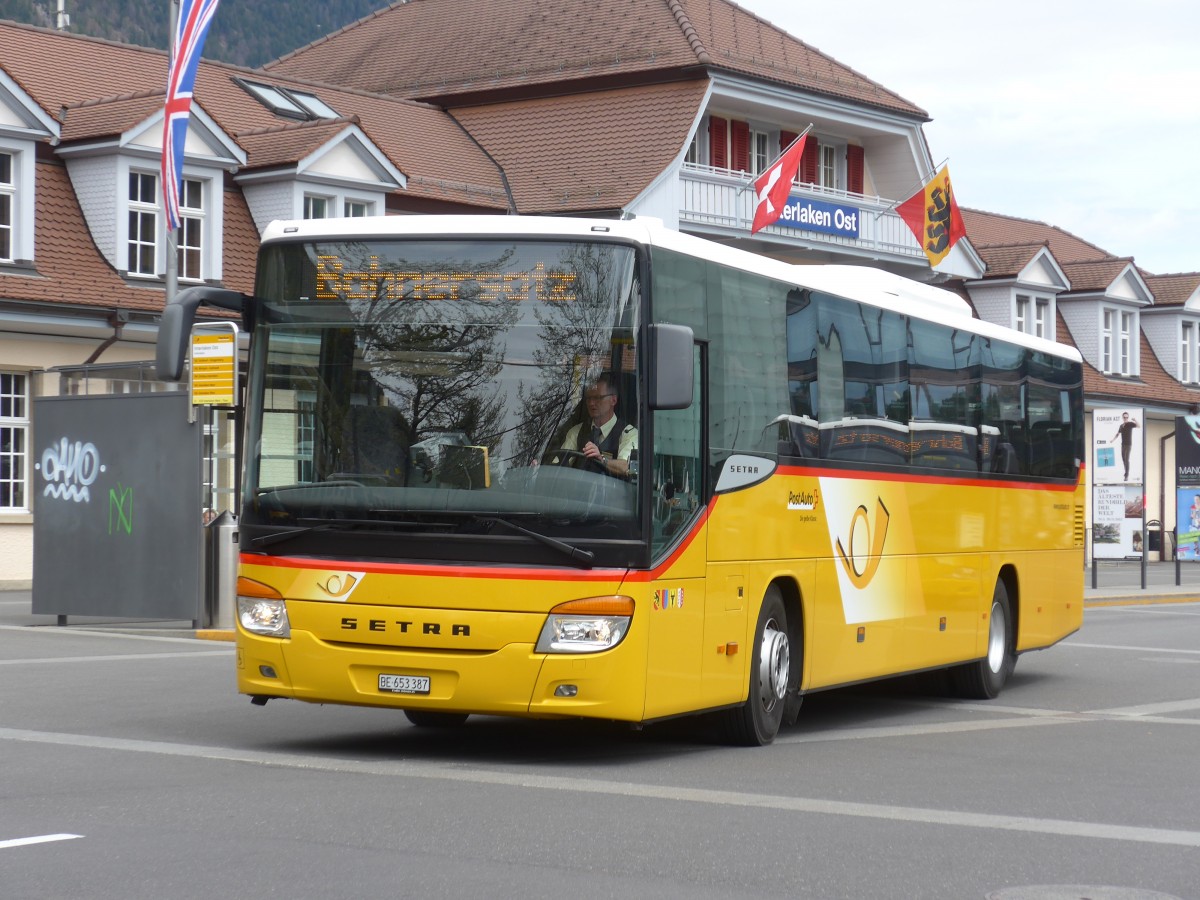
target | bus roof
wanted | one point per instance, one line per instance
(864, 284)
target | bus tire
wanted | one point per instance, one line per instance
(424, 718)
(756, 722)
(983, 679)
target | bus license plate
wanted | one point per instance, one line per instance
(404, 684)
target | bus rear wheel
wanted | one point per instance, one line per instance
(983, 679)
(757, 721)
(423, 718)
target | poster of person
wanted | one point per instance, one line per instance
(1118, 446)
(1118, 518)
(1187, 523)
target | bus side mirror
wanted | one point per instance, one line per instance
(670, 366)
(176, 325)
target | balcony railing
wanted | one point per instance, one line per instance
(721, 203)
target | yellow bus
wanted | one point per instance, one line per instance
(552, 467)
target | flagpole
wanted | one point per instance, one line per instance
(782, 153)
(920, 184)
(171, 273)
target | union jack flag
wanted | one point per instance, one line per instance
(191, 27)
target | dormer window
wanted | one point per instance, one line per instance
(289, 102)
(191, 230)
(1187, 353)
(1117, 353)
(1032, 316)
(316, 207)
(142, 238)
(8, 190)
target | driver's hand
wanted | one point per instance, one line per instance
(590, 450)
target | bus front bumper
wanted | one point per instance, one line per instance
(512, 680)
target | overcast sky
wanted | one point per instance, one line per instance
(1084, 114)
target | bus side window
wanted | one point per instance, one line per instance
(676, 482)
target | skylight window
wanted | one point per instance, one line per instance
(288, 102)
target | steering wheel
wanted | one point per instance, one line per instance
(564, 455)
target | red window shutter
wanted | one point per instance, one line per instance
(785, 138)
(718, 136)
(854, 169)
(740, 145)
(809, 159)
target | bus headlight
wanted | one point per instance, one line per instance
(261, 609)
(586, 626)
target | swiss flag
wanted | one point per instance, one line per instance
(772, 186)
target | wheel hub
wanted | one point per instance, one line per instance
(775, 663)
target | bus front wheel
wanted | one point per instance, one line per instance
(983, 679)
(757, 721)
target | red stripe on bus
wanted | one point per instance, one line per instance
(876, 475)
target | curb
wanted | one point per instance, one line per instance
(214, 634)
(1141, 600)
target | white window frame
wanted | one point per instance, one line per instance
(1021, 318)
(1125, 342)
(8, 198)
(15, 391)
(21, 191)
(310, 202)
(1107, 324)
(1119, 330)
(351, 205)
(760, 151)
(1187, 347)
(1041, 318)
(146, 211)
(828, 168)
(193, 219)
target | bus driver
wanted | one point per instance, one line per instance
(608, 441)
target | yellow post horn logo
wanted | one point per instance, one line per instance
(875, 538)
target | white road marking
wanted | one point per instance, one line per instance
(1149, 709)
(525, 781)
(885, 731)
(1127, 648)
(39, 839)
(97, 633)
(120, 658)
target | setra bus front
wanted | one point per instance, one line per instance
(423, 526)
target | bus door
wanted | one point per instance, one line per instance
(677, 596)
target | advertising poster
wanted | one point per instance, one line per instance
(1117, 521)
(1117, 445)
(1187, 450)
(1187, 523)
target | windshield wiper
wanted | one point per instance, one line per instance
(330, 525)
(579, 555)
(276, 537)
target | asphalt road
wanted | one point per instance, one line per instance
(129, 768)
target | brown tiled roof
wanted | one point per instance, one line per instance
(421, 49)
(1172, 290)
(108, 115)
(594, 151)
(1095, 274)
(1007, 260)
(985, 228)
(288, 143)
(61, 70)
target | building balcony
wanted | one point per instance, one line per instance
(720, 204)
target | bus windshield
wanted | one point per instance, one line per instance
(439, 387)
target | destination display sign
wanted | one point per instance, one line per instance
(339, 280)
